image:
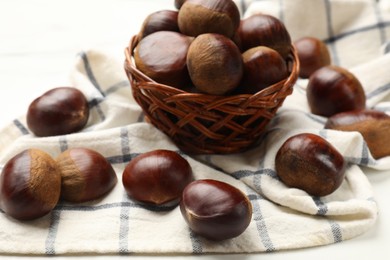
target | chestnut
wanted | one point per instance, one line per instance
(59, 111)
(333, 89)
(373, 125)
(157, 177)
(215, 210)
(215, 64)
(265, 30)
(162, 57)
(263, 67)
(86, 175)
(204, 16)
(164, 20)
(352, 117)
(309, 162)
(313, 54)
(30, 185)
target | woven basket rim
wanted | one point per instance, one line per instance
(131, 67)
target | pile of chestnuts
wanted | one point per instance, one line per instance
(206, 47)
(32, 182)
(213, 209)
(307, 161)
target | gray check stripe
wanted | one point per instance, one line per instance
(125, 211)
(22, 128)
(332, 47)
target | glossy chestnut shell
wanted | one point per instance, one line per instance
(86, 175)
(157, 177)
(332, 90)
(263, 67)
(30, 185)
(265, 30)
(215, 210)
(162, 57)
(163, 20)
(313, 54)
(309, 162)
(59, 111)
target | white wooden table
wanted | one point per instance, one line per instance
(39, 40)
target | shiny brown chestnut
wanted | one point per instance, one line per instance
(263, 67)
(30, 185)
(59, 111)
(215, 64)
(86, 175)
(313, 54)
(197, 17)
(265, 30)
(164, 20)
(353, 117)
(333, 89)
(309, 162)
(373, 125)
(162, 57)
(215, 210)
(157, 177)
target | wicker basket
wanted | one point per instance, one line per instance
(206, 124)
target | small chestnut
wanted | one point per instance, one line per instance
(263, 67)
(157, 177)
(204, 16)
(215, 210)
(333, 89)
(162, 57)
(265, 30)
(215, 64)
(30, 185)
(164, 20)
(373, 125)
(59, 111)
(312, 54)
(86, 175)
(309, 162)
(353, 117)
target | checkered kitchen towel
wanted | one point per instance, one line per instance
(357, 32)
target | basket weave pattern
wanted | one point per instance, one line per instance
(206, 124)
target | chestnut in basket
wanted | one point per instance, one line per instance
(86, 175)
(164, 20)
(313, 54)
(204, 16)
(215, 210)
(332, 89)
(263, 67)
(157, 177)
(265, 30)
(215, 64)
(373, 125)
(59, 111)
(309, 162)
(162, 57)
(30, 185)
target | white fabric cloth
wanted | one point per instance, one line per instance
(283, 218)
